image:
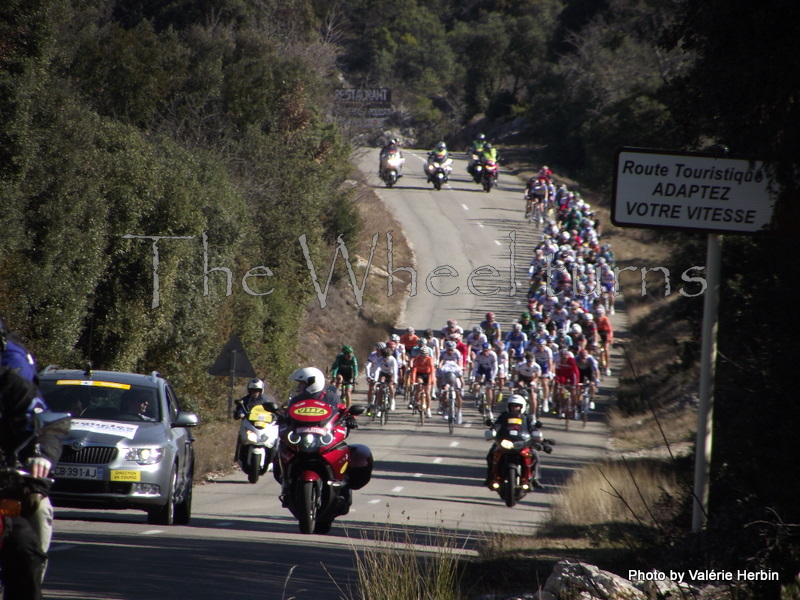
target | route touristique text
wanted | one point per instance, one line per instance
(441, 281)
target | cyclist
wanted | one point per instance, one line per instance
(372, 370)
(589, 373)
(422, 371)
(608, 282)
(475, 341)
(606, 333)
(526, 375)
(567, 375)
(484, 371)
(387, 371)
(502, 370)
(491, 328)
(451, 373)
(433, 343)
(543, 355)
(449, 330)
(516, 341)
(344, 373)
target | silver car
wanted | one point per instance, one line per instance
(129, 446)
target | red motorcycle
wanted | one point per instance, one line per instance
(316, 468)
(513, 463)
(489, 177)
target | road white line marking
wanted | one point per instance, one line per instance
(480, 225)
(399, 488)
(498, 243)
(465, 207)
(152, 531)
(454, 444)
(437, 460)
(374, 501)
(417, 475)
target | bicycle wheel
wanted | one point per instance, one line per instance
(451, 412)
(420, 407)
(385, 404)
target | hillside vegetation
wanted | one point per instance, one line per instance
(211, 123)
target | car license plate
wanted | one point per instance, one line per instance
(66, 472)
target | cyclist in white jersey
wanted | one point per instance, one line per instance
(502, 369)
(484, 370)
(451, 373)
(543, 355)
(387, 370)
(475, 341)
(371, 369)
(527, 374)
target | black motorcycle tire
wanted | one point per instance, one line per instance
(253, 470)
(323, 527)
(390, 179)
(437, 183)
(307, 509)
(487, 184)
(512, 483)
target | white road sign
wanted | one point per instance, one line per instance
(654, 188)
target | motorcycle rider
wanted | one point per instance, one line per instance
(24, 551)
(15, 356)
(515, 410)
(311, 386)
(390, 148)
(255, 396)
(438, 155)
(475, 150)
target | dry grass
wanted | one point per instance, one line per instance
(632, 491)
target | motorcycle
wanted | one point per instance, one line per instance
(439, 172)
(318, 469)
(258, 443)
(15, 488)
(513, 465)
(489, 175)
(475, 168)
(391, 164)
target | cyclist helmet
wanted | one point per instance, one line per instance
(395, 337)
(601, 260)
(575, 329)
(601, 311)
(489, 316)
(452, 323)
(255, 384)
(588, 316)
(347, 349)
(517, 326)
(312, 377)
(477, 329)
(410, 330)
(380, 345)
(481, 136)
(486, 345)
(450, 345)
(517, 400)
(425, 351)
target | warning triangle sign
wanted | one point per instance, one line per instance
(233, 360)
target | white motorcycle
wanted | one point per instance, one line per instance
(257, 444)
(439, 172)
(391, 165)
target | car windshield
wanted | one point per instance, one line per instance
(103, 400)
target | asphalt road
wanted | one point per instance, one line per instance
(426, 484)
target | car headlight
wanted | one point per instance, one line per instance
(145, 456)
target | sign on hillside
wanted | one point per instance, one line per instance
(656, 188)
(368, 107)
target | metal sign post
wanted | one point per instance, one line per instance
(708, 368)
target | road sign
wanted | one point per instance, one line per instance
(657, 188)
(233, 360)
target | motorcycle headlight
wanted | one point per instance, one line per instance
(507, 444)
(252, 437)
(309, 442)
(145, 456)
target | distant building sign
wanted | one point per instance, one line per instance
(369, 106)
(655, 188)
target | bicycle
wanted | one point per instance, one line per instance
(586, 401)
(450, 399)
(382, 402)
(418, 400)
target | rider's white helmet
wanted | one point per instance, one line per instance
(517, 399)
(255, 384)
(311, 376)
